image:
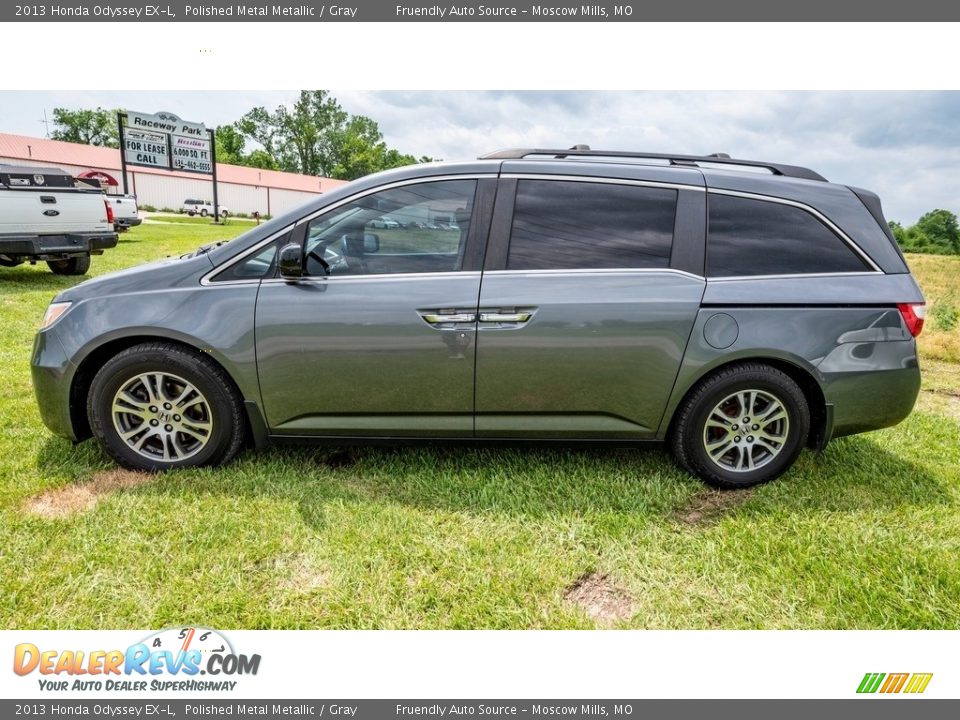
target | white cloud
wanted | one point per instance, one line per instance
(903, 145)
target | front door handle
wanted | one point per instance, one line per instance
(503, 317)
(438, 318)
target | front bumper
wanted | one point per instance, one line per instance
(52, 375)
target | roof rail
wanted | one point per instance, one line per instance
(576, 151)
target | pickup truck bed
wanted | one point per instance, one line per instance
(46, 216)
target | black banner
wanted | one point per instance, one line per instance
(853, 709)
(472, 11)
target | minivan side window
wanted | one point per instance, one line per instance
(757, 237)
(408, 229)
(570, 225)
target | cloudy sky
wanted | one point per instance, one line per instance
(903, 145)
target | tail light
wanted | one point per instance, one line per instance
(109, 212)
(913, 315)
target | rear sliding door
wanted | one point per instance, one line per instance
(584, 314)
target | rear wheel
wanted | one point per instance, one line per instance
(158, 406)
(741, 426)
(71, 266)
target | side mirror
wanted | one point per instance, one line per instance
(371, 243)
(291, 262)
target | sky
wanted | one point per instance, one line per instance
(903, 145)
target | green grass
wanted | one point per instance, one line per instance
(865, 535)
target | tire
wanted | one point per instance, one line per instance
(206, 432)
(726, 453)
(71, 266)
(191, 213)
(224, 213)
(203, 213)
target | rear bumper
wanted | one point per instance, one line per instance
(870, 385)
(53, 247)
(127, 222)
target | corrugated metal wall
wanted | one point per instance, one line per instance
(167, 191)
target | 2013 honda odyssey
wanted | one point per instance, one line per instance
(737, 310)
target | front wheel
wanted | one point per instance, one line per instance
(71, 266)
(744, 425)
(158, 406)
(203, 213)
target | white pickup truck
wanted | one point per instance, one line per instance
(46, 215)
(125, 212)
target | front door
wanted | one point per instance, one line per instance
(378, 338)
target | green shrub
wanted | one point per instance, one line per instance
(147, 208)
(945, 315)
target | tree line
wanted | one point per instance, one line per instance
(312, 136)
(936, 232)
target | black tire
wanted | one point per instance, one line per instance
(687, 436)
(191, 213)
(222, 398)
(203, 213)
(224, 213)
(71, 266)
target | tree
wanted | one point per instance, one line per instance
(89, 127)
(941, 230)
(229, 143)
(316, 136)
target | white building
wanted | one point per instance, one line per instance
(240, 189)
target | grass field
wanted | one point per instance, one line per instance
(864, 535)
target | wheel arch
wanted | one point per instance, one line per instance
(98, 355)
(820, 412)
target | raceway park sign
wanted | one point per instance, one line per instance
(163, 140)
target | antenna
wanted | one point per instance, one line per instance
(46, 124)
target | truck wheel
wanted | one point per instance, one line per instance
(71, 266)
(203, 213)
(159, 406)
(741, 426)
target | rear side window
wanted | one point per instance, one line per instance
(755, 237)
(569, 225)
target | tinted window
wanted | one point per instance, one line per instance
(754, 237)
(414, 228)
(570, 225)
(258, 265)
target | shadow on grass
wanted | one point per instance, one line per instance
(855, 474)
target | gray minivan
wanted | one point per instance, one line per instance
(737, 310)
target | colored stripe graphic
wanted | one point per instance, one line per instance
(894, 683)
(870, 682)
(918, 683)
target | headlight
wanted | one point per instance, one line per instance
(53, 313)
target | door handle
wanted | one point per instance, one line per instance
(437, 318)
(501, 317)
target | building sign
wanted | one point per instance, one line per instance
(163, 140)
(191, 153)
(165, 122)
(146, 148)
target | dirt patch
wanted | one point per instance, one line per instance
(73, 499)
(300, 573)
(945, 401)
(600, 598)
(708, 506)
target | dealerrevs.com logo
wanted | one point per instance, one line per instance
(177, 659)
